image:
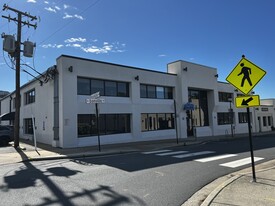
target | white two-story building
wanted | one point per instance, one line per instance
(137, 104)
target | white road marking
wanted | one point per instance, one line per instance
(172, 153)
(157, 151)
(240, 162)
(193, 154)
(209, 159)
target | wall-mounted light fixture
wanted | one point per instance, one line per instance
(70, 69)
(137, 78)
(185, 69)
(216, 75)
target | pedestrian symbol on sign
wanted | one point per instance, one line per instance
(246, 71)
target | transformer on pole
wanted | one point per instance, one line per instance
(14, 49)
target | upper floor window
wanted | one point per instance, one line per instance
(156, 92)
(86, 86)
(225, 97)
(30, 96)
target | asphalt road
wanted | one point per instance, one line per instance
(158, 178)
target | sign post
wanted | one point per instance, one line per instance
(244, 77)
(95, 99)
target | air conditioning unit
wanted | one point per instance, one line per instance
(28, 49)
(9, 44)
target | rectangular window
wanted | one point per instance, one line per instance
(151, 91)
(86, 86)
(143, 91)
(225, 118)
(108, 124)
(83, 86)
(168, 92)
(199, 115)
(269, 120)
(30, 96)
(28, 128)
(159, 121)
(110, 88)
(156, 92)
(122, 89)
(160, 92)
(243, 117)
(264, 122)
(97, 86)
(225, 97)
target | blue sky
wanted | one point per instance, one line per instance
(147, 34)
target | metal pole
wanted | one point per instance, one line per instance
(97, 125)
(231, 118)
(176, 125)
(251, 145)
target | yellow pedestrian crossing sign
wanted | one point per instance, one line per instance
(245, 76)
(247, 101)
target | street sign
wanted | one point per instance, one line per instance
(95, 95)
(247, 101)
(245, 76)
(93, 101)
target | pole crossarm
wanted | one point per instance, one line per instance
(6, 7)
(22, 22)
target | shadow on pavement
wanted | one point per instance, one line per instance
(28, 175)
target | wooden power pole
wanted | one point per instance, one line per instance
(16, 55)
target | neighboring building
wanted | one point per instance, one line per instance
(140, 104)
(3, 94)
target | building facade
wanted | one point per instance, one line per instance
(136, 104)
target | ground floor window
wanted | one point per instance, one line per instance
(28, 127)
(243, 117)
(225, 118)
(157, 121)
(108, 124)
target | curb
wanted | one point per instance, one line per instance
(218, 189)
(29, 159)
(236, 176)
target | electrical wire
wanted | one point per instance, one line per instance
(7, 62)
(65, 25)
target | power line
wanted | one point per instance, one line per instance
(65, 25)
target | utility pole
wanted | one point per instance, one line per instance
(16, 55)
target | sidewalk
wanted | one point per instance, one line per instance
(234, 189)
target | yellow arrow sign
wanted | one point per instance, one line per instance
(247, 101)
(245, 76)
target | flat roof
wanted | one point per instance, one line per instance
(114, 64)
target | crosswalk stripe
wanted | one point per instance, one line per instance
(156, 151)
(241, 162)
(209, 159)
(193, 154)
(172, 153)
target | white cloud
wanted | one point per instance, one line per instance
(68, 16)
(162, 55)
(57, 8)
(31, 1)
(46, 2)
(50, 9)
(79, 43)
(58, 46)
(78, 17)
(75, 40)
(66, 6)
